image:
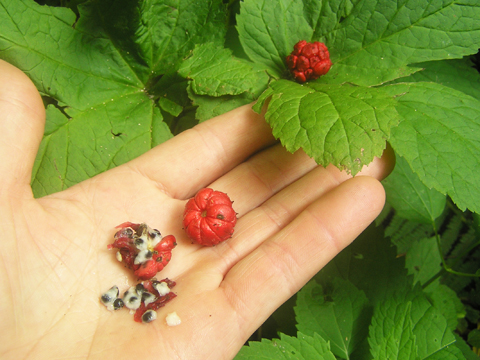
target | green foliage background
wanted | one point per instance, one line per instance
(119, 77)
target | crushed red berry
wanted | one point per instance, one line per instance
(143, 249)
(308, 61)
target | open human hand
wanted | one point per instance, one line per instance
(293, 217)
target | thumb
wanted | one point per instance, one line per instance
(22, 120)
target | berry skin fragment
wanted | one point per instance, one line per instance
(209, 218)
(142, 249)
(160, 298)
(308, 61)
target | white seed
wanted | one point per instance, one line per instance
(173, 319)
(155, 237)
(118, 255)
(109, 297)
(143, 256)
(141, 244)
(132, 299)
(161, 287)
(148, 298)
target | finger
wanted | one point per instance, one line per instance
(260, 177)
(196, 157)
(285, 262)
(22, 120)
(259, 223)
(266, 173)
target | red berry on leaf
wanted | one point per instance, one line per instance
(308, 61)
(209, 218)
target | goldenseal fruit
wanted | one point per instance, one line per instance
(143, 249)
(209, 217)
(309, 61)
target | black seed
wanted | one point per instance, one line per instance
(149, 316)
(140, 288)
(220, 217)
(149, 255)
(106, 298)
(139, 242)
(132, 299)
(128, 231)
(159, 259)
(154, 234)
(118, 304)
(141, 228)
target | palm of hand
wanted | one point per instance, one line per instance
(292, 221)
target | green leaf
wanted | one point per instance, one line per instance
(342, 317)
(302, 347)
(465, 349)
(268, 30)
(458, 74)
(211, 106)
(157, 34)
(391, 333)
(432, 336)
(439, 137)
(76, 68)
(423, 260)
(371, 264)
(474, 338)
(404, 233)
(376, 41)
(344, 125)
(90, 142)
(215, 72)
(448, 304)
(325, 16)
(410, 198)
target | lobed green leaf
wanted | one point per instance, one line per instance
(302, 347)
(391, 333)
(213, 71)
(343, 125)
(458, 74)
(341, 316)
(376, 41)
(439, 137)
(408, 318)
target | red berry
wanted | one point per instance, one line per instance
(143, 249)
(308, 61)
(209, 217)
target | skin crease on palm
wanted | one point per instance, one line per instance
(293, 217)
